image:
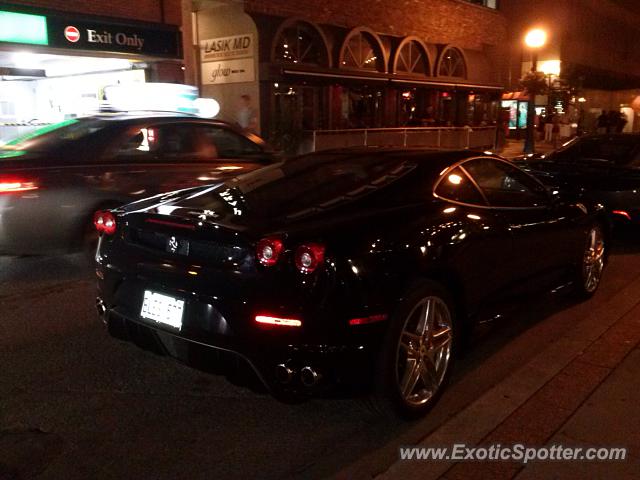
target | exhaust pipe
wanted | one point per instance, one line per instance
(309, 377)
(284, 374)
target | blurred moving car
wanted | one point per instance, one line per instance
(53, 179)
(604, 168)
(341, 267)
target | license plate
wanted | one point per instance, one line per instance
(162, 309)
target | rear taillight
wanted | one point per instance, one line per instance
(278, 321)
(16, 185)
(309, 257)
(622, 213)
(268, 250)
(105, 222)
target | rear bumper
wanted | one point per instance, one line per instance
(221, 303)
(332, 364)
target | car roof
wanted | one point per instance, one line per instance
(149, 115)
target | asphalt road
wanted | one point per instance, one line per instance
(76, 404)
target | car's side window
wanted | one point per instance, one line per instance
(185, 143)
(457, 187)
(228, 143)
(137, 144)
(505, 185)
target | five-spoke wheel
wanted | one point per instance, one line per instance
(424, 350)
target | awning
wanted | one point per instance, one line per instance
(347, 75)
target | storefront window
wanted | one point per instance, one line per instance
(361, 53)
(413, 59)
(300, 44)
(452, 64)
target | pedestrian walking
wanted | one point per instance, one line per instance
(548, 128)
(246, 117)
(555, 131)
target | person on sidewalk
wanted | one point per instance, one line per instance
(246, 116)
(548, 128)
(555, 131)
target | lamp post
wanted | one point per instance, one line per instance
(534, 40)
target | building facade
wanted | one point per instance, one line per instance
(329, 64)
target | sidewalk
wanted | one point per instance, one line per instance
(513, 148)
(581, 391)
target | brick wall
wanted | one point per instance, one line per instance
(435, 21)
(140, 10)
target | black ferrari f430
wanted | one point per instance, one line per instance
(341, 266)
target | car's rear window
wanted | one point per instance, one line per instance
(323, 181)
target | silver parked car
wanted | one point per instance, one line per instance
(52, 180)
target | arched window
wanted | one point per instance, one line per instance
(452, 63)
(362, 51)
(300, 43)
(412, 58)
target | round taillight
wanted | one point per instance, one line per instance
(309, 257)
(268, 251)
(105, 222)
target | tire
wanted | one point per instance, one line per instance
(414, 368)
(589, 272)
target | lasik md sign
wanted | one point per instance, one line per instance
(86, 35)
(226, 48)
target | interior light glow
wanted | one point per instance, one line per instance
(455, 179)
(550, 67)
(449, 210)
(25, 60)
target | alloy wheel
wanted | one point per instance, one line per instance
(424, 351)
(593, 261)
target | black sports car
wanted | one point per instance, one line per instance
(604, 168)
(341, 266)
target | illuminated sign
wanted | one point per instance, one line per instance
(232, 71)
(23, 28)
(86, 34)
(111, 37)
(225, 48)
(166, 97)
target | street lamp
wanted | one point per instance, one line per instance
(534, 40)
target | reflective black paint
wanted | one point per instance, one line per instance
(383, 231)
